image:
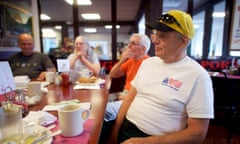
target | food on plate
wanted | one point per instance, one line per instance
(91, 79)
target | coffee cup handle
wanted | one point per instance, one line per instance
(86, 114)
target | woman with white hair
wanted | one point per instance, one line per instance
(83, 57)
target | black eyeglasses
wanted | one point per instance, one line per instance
(167, 18)
(133, 43)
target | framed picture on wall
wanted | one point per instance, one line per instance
(101, 49)
(14, 21)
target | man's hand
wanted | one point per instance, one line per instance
(127, 53)
(81, 55)
(41, 76)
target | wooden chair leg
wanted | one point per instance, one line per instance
(230, 133)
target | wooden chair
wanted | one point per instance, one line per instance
(117, 84)
(226, 103)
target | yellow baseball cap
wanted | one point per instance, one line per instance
(175, 20)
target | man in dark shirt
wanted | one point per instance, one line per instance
(28, 62)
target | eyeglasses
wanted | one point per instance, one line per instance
(80, 43)
(134, 44)
(167, 18)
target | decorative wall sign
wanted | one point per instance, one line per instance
(235, 35)
(63, 65)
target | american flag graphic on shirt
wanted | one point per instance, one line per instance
(173, 83)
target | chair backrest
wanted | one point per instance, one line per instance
(226, 91)
(117, 84)
(221, 88)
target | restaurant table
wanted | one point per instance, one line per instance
(96, 97)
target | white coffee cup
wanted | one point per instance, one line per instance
(50, 77)
(34, 88)
(85, 73)
(71, 119)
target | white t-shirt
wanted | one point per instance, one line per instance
(167, 94)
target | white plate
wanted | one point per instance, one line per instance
(20, 139)
(86, 84)
(98, 81)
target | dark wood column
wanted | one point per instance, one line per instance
(190, 7)
(207, 31)
(227, 28)
(114, 31)
(75, 19)
(153, 9)
(64, 30)
(40, 27)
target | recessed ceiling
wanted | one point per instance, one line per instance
(127, 10)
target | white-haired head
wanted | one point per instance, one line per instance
(144, 40)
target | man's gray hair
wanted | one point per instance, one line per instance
(144, 40)
(84, 40)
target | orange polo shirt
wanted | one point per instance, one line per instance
(130, 67)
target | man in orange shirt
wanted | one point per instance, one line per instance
(127, 66)
(130, 60)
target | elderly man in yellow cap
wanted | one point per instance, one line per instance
(171, 98)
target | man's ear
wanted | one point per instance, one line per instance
(144, 49)
(185, 41)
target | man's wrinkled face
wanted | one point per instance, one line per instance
(136, 47)
(167, 44)
(80, 45)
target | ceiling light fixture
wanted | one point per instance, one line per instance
(45, 17)
(90, 30)
(91, 16)
(110, 26)
(196, 26)
(218, 14)
(80, 2)
(48, 32)
(58, 27)
(69, 22)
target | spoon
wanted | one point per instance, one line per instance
(41, 140)
(41, 134)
